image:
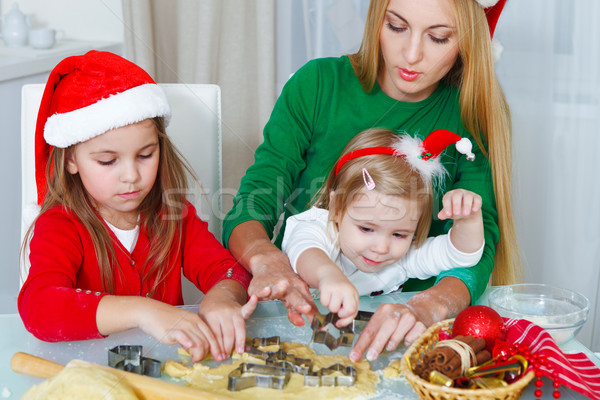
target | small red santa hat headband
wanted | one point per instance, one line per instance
(88, 95)
(422, 155)
(493, 9)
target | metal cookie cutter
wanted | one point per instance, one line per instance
(265, 376)
(278, 358)
(346, 337)
(323, 376)
(262, 342)
(129, 358)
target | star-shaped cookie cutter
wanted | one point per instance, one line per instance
(346, 338)
(129, 358)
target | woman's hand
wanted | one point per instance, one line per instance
(272, 274)
(222, 310)
(164, 322)
(393, 323)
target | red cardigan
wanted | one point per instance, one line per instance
(58, 301)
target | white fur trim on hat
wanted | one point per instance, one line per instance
(412, 149)
(487, 3)
(118, 110)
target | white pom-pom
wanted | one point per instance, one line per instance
(464, 146)
(30, 213)
(487, 3)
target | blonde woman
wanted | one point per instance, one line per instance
(423, 65)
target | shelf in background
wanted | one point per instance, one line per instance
(17, 62)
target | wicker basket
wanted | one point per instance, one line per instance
(427, 390)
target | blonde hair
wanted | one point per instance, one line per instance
(393, 176)
(484, 111)
(156, 213)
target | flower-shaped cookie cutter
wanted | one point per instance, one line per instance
(129, 358)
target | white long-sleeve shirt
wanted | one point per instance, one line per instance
(311, 229)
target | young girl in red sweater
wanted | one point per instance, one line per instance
(115, 229)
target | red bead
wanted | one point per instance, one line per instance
(536, 365)
(504, 357)
(554, 375)
(556, 394)
(539, 373)
(556, 384)
(537, 393)
(539, 383)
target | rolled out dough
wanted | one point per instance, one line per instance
(215, 380)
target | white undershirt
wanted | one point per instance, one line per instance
(128, 238)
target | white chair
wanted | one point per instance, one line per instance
(195, 129)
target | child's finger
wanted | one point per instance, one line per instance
(335, 303)
(457, 201)
(239, 326)
(208, 337)
(195, 348)
(477, 203)
(446, 211)
(249, 307)
(467, 205)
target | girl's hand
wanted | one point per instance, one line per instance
(392, 323)
(171, 325)
(341, 297)
(222, 310)
(460, 204)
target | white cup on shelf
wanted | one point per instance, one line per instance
(44, 38)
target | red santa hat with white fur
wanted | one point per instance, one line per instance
(88, 95)
(492, 8)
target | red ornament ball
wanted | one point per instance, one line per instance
(480, 322)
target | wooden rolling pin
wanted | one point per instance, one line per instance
(146, 388)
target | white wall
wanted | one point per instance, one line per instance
(95, 20)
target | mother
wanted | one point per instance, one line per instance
(422, 65)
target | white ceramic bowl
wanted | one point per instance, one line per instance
(561, 312)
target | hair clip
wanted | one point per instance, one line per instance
(369, 182)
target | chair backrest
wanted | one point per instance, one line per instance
(195, 129)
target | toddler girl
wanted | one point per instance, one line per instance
(115, 229)
(367, 233)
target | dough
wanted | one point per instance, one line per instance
(88, 383)
(215, 380)
(393, 369)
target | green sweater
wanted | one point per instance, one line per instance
(320, 109)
